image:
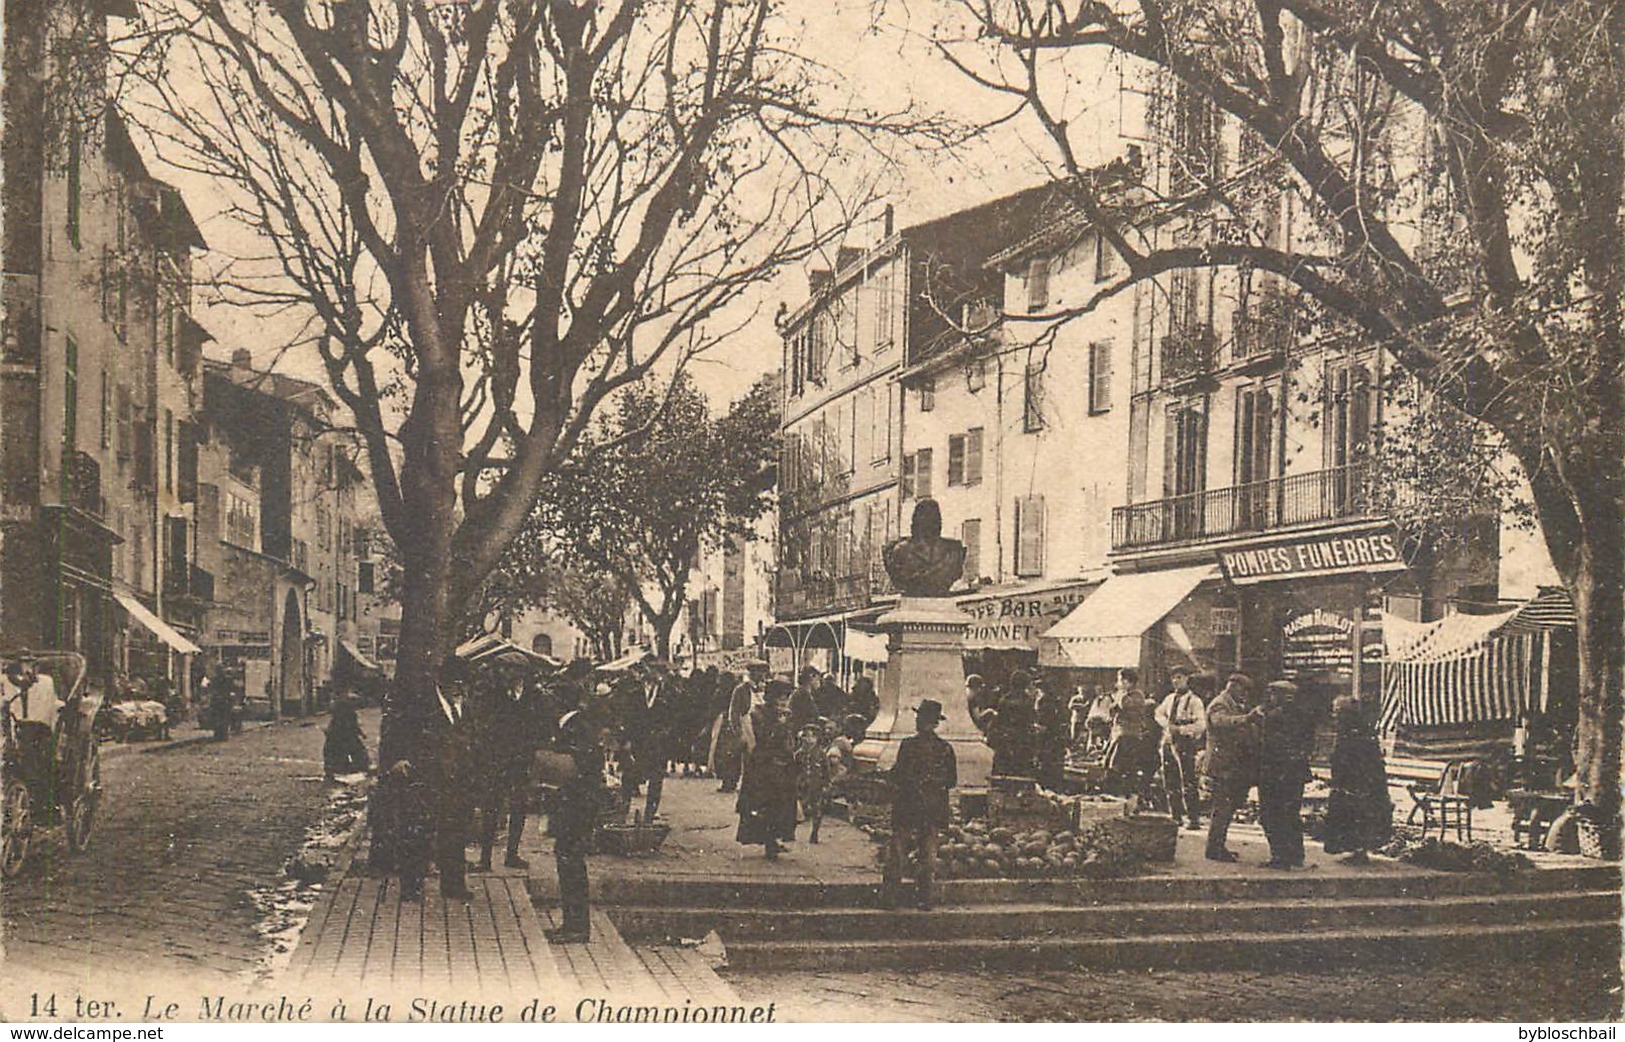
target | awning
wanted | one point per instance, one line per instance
(1452, 637)
(361, 660)
(1105, 630)
(625, 662)
(158, 627)
(1015, 620)
(866, 647)
(484, 647)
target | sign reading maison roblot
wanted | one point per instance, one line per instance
(1316, 555)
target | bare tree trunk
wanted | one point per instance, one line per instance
(403, 827)
(1600, 605)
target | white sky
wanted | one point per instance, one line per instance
(884, 64)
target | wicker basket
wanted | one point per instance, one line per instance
(634, 840)
(1598, 840)
(1151, 837)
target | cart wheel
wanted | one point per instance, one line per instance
(82, 815)
(16, 828)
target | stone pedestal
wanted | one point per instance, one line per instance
(925, 649)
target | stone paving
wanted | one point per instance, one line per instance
(185, 832)
(1469, 992)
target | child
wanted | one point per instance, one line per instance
(812, 771)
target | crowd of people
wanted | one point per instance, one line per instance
(782, 749)
(1191, 744)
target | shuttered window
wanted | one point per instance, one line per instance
(956, 459)
(1029, 532)
(1038, 284)
(1100, 377)
(970, 533)
(973, 456)
(1032, 406)
(908, 475)
(1029, 541)
(922, 474)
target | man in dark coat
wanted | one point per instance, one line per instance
(1286, 740)
(1054, 724)
(649, 727)
(925, 772)
(1232, 759)
(506, 746)
(863, 701)
(804, 700)
(446, 783)
(1012, 730)
(573, 814)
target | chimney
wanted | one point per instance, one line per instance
(888, 219)
(242, 358)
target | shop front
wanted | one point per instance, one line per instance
(1309, 610)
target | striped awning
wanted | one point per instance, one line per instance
(1491, 682)
(1551, 609)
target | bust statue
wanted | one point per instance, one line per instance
(925, 564)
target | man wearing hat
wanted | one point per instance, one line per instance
(925, 772)
(1184, 730)
(1286, 739)
(573, 813)
(507, 745)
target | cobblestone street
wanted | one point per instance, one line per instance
(1489, 992)
(184, 834)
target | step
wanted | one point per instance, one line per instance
(1404, 882)
(1579, 943)
(1039, 921)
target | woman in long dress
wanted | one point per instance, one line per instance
(1359, 815)
(767, 792)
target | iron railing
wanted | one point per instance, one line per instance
(1322, 495)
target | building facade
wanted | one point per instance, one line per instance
(877, 313)
(287, 612)
(99, 387)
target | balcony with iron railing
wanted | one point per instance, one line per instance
(1338, 494)
(1262, 333)
(1187, 353)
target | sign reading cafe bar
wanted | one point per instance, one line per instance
(1317, 555)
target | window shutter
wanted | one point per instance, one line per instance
(956, 459)
(973, 456)
(1170, 449)
(970, 533)
(1029, 518)
(1032, 413)
(922, 473)
(928, 394)
(1038, 284)
(908, 475)
(1100, 376)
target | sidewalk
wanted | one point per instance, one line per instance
(363, 939)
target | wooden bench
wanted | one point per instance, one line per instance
(1402, 770)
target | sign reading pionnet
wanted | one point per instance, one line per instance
(1319, 555)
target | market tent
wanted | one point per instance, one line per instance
(865, 646)
(1470, 669)
(625, 662)
(1105, 630)
(489, 645)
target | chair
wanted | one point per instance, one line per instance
(1443, 804)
